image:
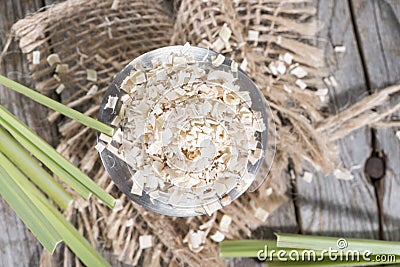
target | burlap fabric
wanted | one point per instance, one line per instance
(105, 35)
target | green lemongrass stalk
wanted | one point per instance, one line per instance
(21, 129)
(245, 248)
(51, 164)
(251, 248)
(74, 240)
(28, 165)
(322, 242)
(48, 102)
(28, 213)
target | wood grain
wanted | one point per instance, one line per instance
(378, 24)
(329, 206)
(283, 219)
(18, 247)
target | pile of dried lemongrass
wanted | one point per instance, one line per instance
(76, 47)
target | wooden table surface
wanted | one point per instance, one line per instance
(370, 31)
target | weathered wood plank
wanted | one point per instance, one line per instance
(17, 245)
(281, 220)
(329, 206)
(378, 23)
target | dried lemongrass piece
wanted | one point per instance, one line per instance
(218, 45)
(217, 237)
(184, 49)
(99, 59)
(257, 153)
(116, 121)
(145, 241)
(115, 4)
(136, 190)
(35, 57)
(244, 64)
(115, 151)
(234, 66)
(288, 58)
(175, 197)
(218, 60)
(111, 102)
(212, 207)
(53, 59)
(301, 84)
(340, 49)
(107, 139)
(91, 75)
(92, 90)
(225, 222)
(231, 98)
(99, 147)
(299, 72)
(268, 191)
(322, 92)
(130, 222)
(261, 214)
(279, 40)
(62, 68)
(273, 69)
(220, 188)
(118, 206)
(118, 136)
(179, 61)
(398, 135)
(225, 33)
(327, 81)
(154, 194)
(333, 81)
(125, 98)
(307, 177)
(195, 239)
(57, 78)
(253, 35)
(343, 174)
(280, 67)
(60, 88)
(287, 89)
(220, 75)
(225, 201)
(134, 78)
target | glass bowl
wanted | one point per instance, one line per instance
(189, 205)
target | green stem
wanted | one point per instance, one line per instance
(17, 128)
(49, 163)
(74, 240)
(21, 158)
(29, 214)
(50, 103)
